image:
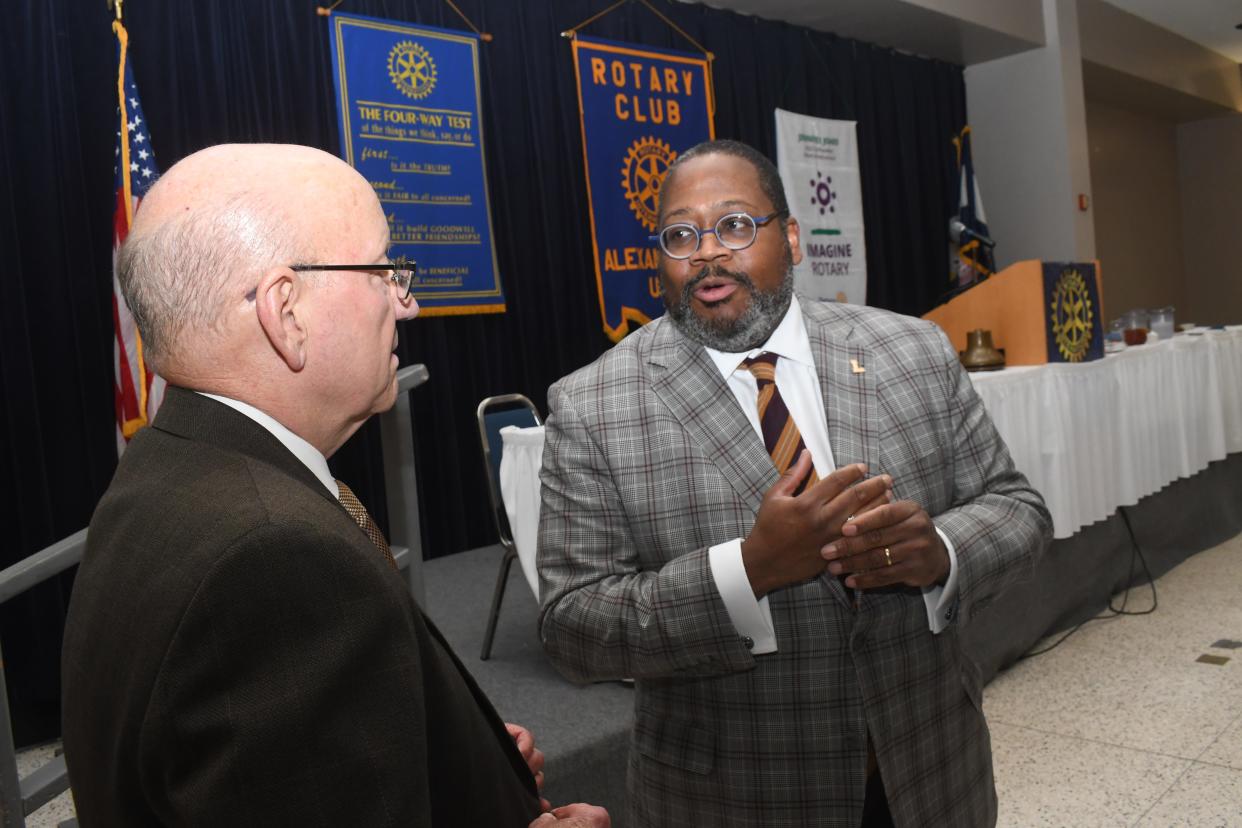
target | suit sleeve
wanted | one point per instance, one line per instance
(290, 694)
(603, 614)
(998, 523)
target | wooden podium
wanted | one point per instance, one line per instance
(1014, 305)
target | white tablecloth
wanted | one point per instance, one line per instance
(1104, 434)
(520, 460)
(1090, 437)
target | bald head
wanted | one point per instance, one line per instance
(209, 228)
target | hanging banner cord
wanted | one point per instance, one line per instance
(484, 36)
(711, 84)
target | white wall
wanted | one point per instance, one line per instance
(1029, 139)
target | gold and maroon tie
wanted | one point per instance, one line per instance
(780, 433)
(359, 513)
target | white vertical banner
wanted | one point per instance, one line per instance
(818, 162)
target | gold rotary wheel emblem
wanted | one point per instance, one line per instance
(412, 70)
(1072, 315)
(646, 163)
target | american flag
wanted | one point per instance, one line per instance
(139, 391)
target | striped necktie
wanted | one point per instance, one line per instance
(361, 517)
(780, 433)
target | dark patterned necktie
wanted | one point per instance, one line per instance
(780, 433)
(359, 513)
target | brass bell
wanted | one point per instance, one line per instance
(980, 354)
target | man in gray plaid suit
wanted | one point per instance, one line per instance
(793, 636)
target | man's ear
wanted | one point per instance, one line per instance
(277, 301)
(792, 234)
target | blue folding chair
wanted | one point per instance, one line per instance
(495, 413)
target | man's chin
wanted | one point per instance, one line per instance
(721, 321)
(731, 325)
(715, 332)
(386, 400)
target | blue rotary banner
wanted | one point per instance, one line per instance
(640, 107)
(408, 106)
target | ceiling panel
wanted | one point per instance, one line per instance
(1210, 23)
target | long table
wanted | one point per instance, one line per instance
(1098, 435)
(1090, 437)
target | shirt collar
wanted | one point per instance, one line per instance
(789, 341)
(299, 448)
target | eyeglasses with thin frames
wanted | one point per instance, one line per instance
(736, 231)
(403, 272)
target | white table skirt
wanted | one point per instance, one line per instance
(1103, 434)
(1089, 437)
(520, 461)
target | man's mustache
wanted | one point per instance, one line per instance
(716, 271)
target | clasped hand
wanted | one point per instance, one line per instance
(577, 815)
(843, 523)
(791, 530)
(893, 543)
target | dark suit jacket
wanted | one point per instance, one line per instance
(649, 461)
(237, 652)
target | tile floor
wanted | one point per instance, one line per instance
(1120, 725)
(1117, 726)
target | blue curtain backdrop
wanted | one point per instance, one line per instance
(238, 70)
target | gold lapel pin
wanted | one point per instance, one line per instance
(858, 369)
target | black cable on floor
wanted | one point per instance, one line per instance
(1136, 552)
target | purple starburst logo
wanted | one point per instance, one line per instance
(822, 195)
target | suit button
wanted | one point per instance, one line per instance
(749, 642)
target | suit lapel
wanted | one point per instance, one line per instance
(688, 382)
(849, 398)
(846, 371)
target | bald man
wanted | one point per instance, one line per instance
(238, 649)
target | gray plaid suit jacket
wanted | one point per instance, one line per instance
(648, 461)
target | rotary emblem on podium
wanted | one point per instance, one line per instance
(1071, 315)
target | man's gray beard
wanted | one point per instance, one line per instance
(750, 330)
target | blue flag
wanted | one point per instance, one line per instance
(973, 259)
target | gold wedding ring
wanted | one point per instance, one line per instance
(888, 558)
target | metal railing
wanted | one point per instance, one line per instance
(19, 797)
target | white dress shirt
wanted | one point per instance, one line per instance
(304, 451)
(798, 383)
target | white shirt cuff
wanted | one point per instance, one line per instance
(751, 618)
(941, 600)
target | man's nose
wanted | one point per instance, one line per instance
(406, 308)
(710, 248)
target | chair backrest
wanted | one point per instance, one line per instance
(495, 413)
